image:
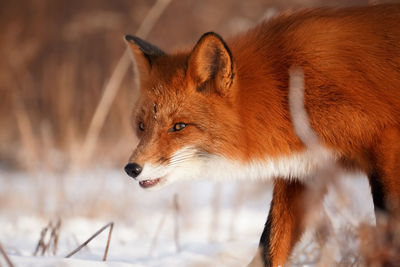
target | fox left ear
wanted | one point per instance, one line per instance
(211, 61)
(144, 54)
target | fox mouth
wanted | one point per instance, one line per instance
(150, 183)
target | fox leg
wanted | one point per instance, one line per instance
(284, 225)
(385, 177)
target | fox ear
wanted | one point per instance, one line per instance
(211, 61)
(144, 54)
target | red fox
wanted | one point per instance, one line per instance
(222, 109)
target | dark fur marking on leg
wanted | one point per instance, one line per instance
(377, 191)
(265, 244)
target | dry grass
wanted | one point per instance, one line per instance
(5, 256)
(84, 244)
(52, 230)
(174, 207)
(113, 85)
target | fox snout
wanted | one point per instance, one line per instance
(133, 169)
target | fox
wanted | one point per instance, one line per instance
(221, 110)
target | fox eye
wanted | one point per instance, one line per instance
(177, 127)
(141, 126)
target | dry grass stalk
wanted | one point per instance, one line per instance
(216, 211)
(3, 252)
(54, 230)
(41, 243)
(108, 242)
(176, 222)
(238, 202)
(157, 233)
(20, 78)
(175, 207)
(54, 236)
(103, 107)
(115, 81)
(111, 225)
(26, 131)
(77, 243)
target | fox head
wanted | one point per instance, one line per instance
(184, 116)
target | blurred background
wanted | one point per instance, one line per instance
(66, 95)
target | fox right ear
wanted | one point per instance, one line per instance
(211, 62)
(144, 55)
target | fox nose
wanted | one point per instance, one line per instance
(133, 169)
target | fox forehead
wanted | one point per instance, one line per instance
(165, 87)
(173, 100)
(160, 102)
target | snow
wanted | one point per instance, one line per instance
(219, 223)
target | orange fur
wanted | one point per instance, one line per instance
(233, 96)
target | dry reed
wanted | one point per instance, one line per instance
(84, 244)
(115, 81)
(174, 207)
(5, 256)
(53, 228)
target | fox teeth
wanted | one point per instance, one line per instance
(149, 183)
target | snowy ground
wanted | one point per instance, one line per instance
(219, 223)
